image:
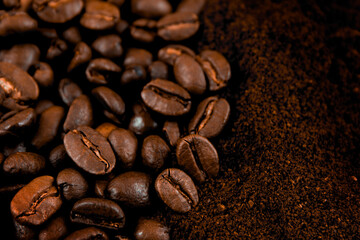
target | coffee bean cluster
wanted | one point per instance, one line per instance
(67, 179)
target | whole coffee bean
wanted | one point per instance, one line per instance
(55, 229)
(121, 26)
(24, 232)
(56, 49)
(176, 190)
(58, 157)
(198, 157)
(50, 121)
(80, 113)
(158, 69)
(150, 229)
(109, 46)
(166, 97)
(100, 70)
(98, 212)
(172, 132)
(151, 8)
(72, 184)
(23, 164)
(133, 74)
(14, 122)
(21, 55)
(110, 100)
(170, 53)
(143, 30)
(69, 91)
(35, 203)
(90, 150)
(136, 56)
(72, 35)
(49, 33)
(191, 6)
(210, 118)
(216, 68)
(44, 74)
(154, 152)
(141, 122)
(88, 233)
(16, 22)
(125, 145)
(82, 54)
(57, 11)
(42, 105)
(100, 15)
(131, 189)
(106, 128)
(189, 74)
(178, 26)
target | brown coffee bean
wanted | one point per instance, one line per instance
(56, 49)
(154, 152)
(110, 100)
(100, 188)
(141, 122)
(170, 53)
(191, 6)
(106, 128)
(11, 3)
(178, 26)
(166, 97)
(23, 164)
(133, 74)
(198, 157)
(42, 105)
(118, 3)
(216, 68)
(109, 46)
(55, 229)
(82, 54)
(88, 233)
(14, 122)
(148, 229)
(100, 15)
(143, 30)
(49, 33)
(176, 190)
(72, 35)
(100, 70)
(16, 22)
(90, 150)
(23, 232)
(158, 69)
(68, 91)
(44, 74)
(138, 57)
(21, 55)
(80, 114)
(57, 11)
(35, 203)
(172, 132)
(58, 157)
(210, 118)
(151, 8)
(72, 184)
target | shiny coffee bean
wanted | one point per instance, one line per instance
(49, 124)
(42, 105)
(131, 189)
(68, 91)
(55, 229)
(141, 122)
(166, 97)
(82, 54)
(14, 123)
(100, 70)
(138, 57)
(191, 6)
(154, 152)
(176, 190)
(198, 157)
(211, 117)
(21, 55)
(106, 128)
(151, 9)
(16, 22)
(148, 229)
(80, 114)
(143, 30)
(72, 35)
(88, 234)
(98, 212)
(178, 26)
(172, 132)
(108, 46)
(44, 74)
(72, 184)
(90, 150)
(110, 100)
(56, 49)
(133, 74)
(216, 68)
(58, 157)
(158, 69)
(100, 15)
(23, 164)
(125, 145)
(35, 203)
(189, 74)
(170, 53)
(57, 11)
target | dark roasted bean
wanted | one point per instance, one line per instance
(100, 15)
(23, 164)
(172, 132)
(136, 56)
(49, 33)
(82, 54)
(121, 26)
(118, 3)
(55, 229)
(44, 74)
(110, 100)
(154, 152)
(57, 48)
(88, 234)
(143, 30)
(58, 157)
(109, 46)
(170, 53)
(68, 91)
(158, 69)
(22, 55)
(133, 74)
(72, 184)
(80, 113)
(24, 232)
(191, 6)
(151, 9)
(106, 128)
(72, 35)
(14, 147)
(100, 188)
(141, 122)
(100, 70)
(15, 122)
(16, 22)
(42, 105)
(148, 229)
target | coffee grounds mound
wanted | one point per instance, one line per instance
(290, 153)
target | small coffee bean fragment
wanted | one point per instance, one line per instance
(44, 74)
(82, 54)
(80, 113)
(172, 132)
(101, 70)
(87, 234)
(176, 190)
(108, 46)
(21, 55)
(148, 229)
(191, 6)
(141, 122)
(151, 8)
(110, 100)
(170, 53)
(72, 35)
(100, 15)
(57, 48)
(23, 164)
(16, 22)
(55, 229)
(106, 128)
(69, 91)
(14, 122)
(154, 152)
(72, 184)
(158, 69)
(143, 30)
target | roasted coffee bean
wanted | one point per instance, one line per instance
(68, 91)
(50, 121)
(211, 117)
(191, 6)
(23, 164)
(125, 145)
(14, 122)
(10, 189)
(16, 22)
(189, 74)
(198, 157)
(100, 70)
(131, 189)
(148, 229)
(100, 188)
(119, 237)
(158, 69)
(24, 232)
(178, 26)
(72, 184)
(109, 46)
(57, 11)
(216, 68)
(172, 132)
(11, 3)
(58, 157)
(17, 86)
(98, 212)
(118, 3)
(57, 48)
(80, 113)
(154, 152)
(35, 203)
(141, 122)
(49, 33)
(42, 105)
(133, 74)
(44, 74)
(55, 229)
(176, 190)
(110, 100)
(151, 9)
(166, 97)
(90, 150)
(72, 35)
(100, 15)
(22, 55)
(82, 54)
(170, 53)
(143, 30)
(88, 233)
(121, 26)
(14, 147)
(138, 57)
(106, 128)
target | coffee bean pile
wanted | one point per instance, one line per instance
(65, 179)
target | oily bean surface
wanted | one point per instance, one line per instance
(191, 6)
(99, 15)
(143, 30)
(151, 9)
(44, 75)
